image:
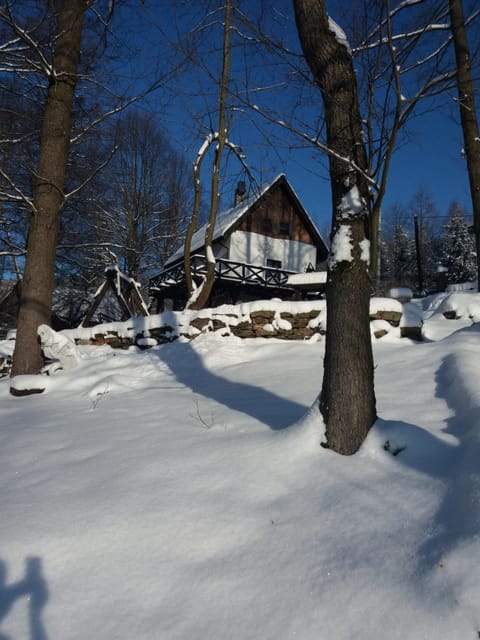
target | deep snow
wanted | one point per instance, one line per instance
(181, 493)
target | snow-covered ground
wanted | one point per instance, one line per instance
(180, 493)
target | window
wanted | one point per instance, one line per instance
(284, 229)
(274, 264)
(267, 225)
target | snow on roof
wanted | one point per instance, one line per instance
(404, 294)
(310, 277)
(227, 218)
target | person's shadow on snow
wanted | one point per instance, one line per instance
(34, 587)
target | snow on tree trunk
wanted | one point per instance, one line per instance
(347, 400)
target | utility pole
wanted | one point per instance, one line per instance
(418, 255)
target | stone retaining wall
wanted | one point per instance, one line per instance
(296, 321)
(261, 319)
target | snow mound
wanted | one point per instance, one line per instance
(462, 304)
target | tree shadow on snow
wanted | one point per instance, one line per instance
(263, 405)
(458, 516)
(414, 447)
(34, 587)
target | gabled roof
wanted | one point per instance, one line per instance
(226, 219)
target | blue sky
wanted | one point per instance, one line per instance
(430, 160)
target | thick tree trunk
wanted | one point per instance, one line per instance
(468, 115)
(347, 399)
(38, 281)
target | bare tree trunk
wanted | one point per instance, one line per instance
(221, 138)
(468, 115)
(187, 262)
(347, 400)
(38, 281)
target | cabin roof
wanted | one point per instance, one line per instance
(227, 218)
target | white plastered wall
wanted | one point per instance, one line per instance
(256, 249)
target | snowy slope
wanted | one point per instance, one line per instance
(181, 493)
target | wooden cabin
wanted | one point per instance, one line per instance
(258, 243)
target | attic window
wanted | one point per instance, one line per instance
(284, 229)
(266, 225)
(274, 264)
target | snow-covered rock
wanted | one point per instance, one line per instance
(58, 347)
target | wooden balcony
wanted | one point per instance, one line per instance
(225, 270)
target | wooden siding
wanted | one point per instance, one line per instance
(269, 215)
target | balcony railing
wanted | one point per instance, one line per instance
(237, 272)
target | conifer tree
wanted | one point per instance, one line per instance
(398, 251)
(458, 248)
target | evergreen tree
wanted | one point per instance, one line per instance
(458, 248)
(431, 248)
(399, 266)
